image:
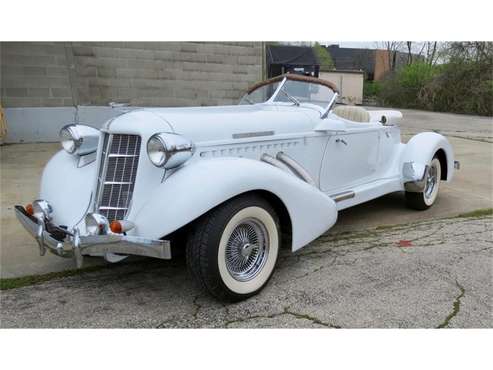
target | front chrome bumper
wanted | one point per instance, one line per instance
(73, 245)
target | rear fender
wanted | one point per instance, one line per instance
(420, 150)
(203, 184)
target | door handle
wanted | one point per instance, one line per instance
(341, 141)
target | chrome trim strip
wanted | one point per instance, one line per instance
(343, 196)
(417, 186)
(261, 139)
(122, 155)
(115, 208)
(125, 245)
(297, 168)
(87, 209)
(84, 160)
(276, 163)
(252, 134)
(117, 183)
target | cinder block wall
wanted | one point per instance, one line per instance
(34, 75)
(50, 74)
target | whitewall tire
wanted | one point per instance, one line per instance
(232, 250)
(426, 198)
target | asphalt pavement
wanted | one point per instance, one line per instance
(434, 274)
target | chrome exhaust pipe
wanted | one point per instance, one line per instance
(295, 167)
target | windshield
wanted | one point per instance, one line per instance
(305, 92)
(260, 95)
(295, 90)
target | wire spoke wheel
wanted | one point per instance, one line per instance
(431, 182)
(424, 199)
(247, 249)
(232, 251)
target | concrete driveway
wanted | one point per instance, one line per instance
(434, 274)
(471, 136)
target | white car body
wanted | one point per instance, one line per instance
(345, 163)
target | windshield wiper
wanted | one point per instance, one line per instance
(292, 98)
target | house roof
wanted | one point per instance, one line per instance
(352, 58)
(289, 54)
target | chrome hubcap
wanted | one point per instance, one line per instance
(247, 249)
(431, 182)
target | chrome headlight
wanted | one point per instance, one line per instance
(79, 139)
(169, 150)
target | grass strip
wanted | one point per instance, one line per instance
(19, 282)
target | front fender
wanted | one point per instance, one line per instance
(205, 183)
(421, 148)
(67, 187)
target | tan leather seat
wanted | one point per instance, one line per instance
(352, 113)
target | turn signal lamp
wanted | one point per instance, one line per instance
(29, 209)
(119, 227)
(116, 227)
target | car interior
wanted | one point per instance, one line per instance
(352, 113)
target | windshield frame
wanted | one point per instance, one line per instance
(282, 79)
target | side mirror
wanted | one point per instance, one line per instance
(329, 125)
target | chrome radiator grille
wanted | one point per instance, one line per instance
(116, 177)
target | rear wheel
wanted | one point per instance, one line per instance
(425, 199)
(232, 250)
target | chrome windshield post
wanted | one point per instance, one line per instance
(329, 107)
(271, 99)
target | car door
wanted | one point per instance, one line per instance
(389, 143)
(350, 158)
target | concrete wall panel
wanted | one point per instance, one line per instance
(42, 124)
(38, 74)
(43, 82)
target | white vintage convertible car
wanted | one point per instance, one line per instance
(238, 181)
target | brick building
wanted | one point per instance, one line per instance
(375, 63)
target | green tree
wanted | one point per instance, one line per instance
(323, 57)
(462, 82)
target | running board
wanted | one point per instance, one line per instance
(343, 196)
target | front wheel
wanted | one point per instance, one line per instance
(233, 249)
(426, 198)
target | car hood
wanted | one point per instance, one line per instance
(205, 124)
